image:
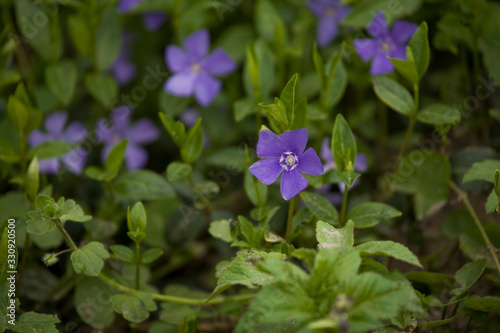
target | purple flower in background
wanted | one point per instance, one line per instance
(329, 13)
(123, 69)
(152, 20)
(360, 164)
(384, 43)
(75, 132)
(285, 156)
(194, 68)
(142, 132)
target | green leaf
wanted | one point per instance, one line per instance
(80, 32)
(491, 202)
(76, 214)
(266, 20)
(134, 307)
(330, 237)
(221, 229)
(123, 253)
(178, 170)
(289, 98)
(193, 146)
(38, 36)
(37, 224)
(348, 177)
(468, 275)
(300, 117)
(99, 174)
(109, 38)
(136, 218)
(103, 88)
(369, 214)
(319, 65)
(436, 282)
(390, 249)
(51, 149)
(151, 255)
(407, 67)
(320, 207)
(18, 113)
(61, 80)
(176, 129)
(277, 117)
(32, 180)
(484, 170)
(485, 304)
(89, 307)
(419, 45)
(362, 14)
(343, 145)
(439, 114)
(115, 157)
(393, 95)
(436, 323)
(243, 270)
(35, 322)
(177, 314)
(243, 108)
(246, 229)
(88, 259)
(142, 185)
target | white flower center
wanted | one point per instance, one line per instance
(196, 67)
(289, 161)
(386, 47)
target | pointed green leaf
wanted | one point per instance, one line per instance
(123, 253)
(277, 117)
(177, 171)
(32, 180)
(151, 255)
(419, 45)
(193, 146)
(330, 237)
(389, 248)
(320, 207)
(176, 129)
(343, 144)
(393, 95)
(439, 114)
(61, 79)
(289, 98)
(103, 88)
(407, 67)
(484, 170)
(369, 214)
(485, 304)
(115, 158)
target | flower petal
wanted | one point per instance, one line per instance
(402, 31)
(181, 84)
(206, 88)
(153, 20)
(136, 157)
(143, 131)
(366, 48)
(74, 161)
(361, 163)
(219, 63)
(381, 65)
(342, 12)
(104, 130)
(121, 118)
(105, 151)
(176, 58)
(326, 152)
(123, 70)
(49, 166)
(378, 26)
(75, 132)
(399, 52)
(54, 123)
(37, 137)
(295, 141)
(292, 183)
(197, 44)
(126, 5)
(266, 170)
(327, 31)
(310, 164)
(269, 145)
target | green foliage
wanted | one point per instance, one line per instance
(142, 185)
(89, 259)
(61, 79)
(112, 165)
(389, 248)
(35, 322)
(393, 95)
(178, 170)
(102, 88)
(330, 237)
(343, 145)
(438, 115)
(320, 207)
(135, 307)
(369, 214)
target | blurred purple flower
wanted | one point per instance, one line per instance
(123, 69)
(194, 68)
(75, 133)
(142, 132)
(285, 156)
(384, 43)
(329, 13)
(152, 20)
(360, 164)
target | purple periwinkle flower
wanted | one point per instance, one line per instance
(329, 13)
(284, 155)
(385, 43)
(152, 20)
(142, 132)
(123, 69)
(75, 132)
(194, 69)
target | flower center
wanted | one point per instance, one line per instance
(386, 47)
(117, 138)
(196, 67)
(330, 12)
(289, 161)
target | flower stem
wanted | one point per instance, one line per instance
(291, 212)
(413, 120)
(66, 236)
(137, 265)
(344, 204)
(472, 213)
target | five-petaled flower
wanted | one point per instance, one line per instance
(194, 68)
(152, 20)
(73, 160)
(384, 43)
(329, 13)
(285, 156)
(142, 132)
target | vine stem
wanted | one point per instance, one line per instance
(344, 204)
(413, 120)
(472, 212)
(291, 212)
(137, 265)
(66, 236)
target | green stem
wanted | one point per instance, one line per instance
(413, 120)
(472, 213)
(344, 204)
(175, 299)
(20, 270)
(291, 212)
(66, 236)
(137, 265)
